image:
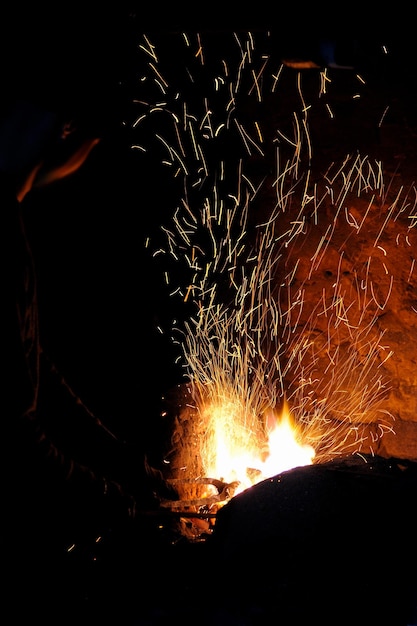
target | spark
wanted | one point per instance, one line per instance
(149, 48)
(324, 79)
(161, 80)
(383, 116)
(329, 110)
(270, 320)
(276, 77)
(411, 270)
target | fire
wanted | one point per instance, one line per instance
(265, 253)
(286, 449)
(233, 454)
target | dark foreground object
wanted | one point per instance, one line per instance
(327, 544)
(332, 544)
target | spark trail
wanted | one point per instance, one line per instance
(268, 249)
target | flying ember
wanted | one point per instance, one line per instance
(278, 319)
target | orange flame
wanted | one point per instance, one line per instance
(286, 449)
(236, 455)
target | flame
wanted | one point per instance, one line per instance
(269, 320)
(286, 449)
(233, 454)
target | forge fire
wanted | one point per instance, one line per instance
(276, 258)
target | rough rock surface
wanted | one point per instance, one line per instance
(371, 254)
(350, 270)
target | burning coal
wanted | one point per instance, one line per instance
(282, 353)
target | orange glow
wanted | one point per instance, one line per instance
(286, 449)
(232, 453)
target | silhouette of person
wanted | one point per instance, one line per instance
(68, 478)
